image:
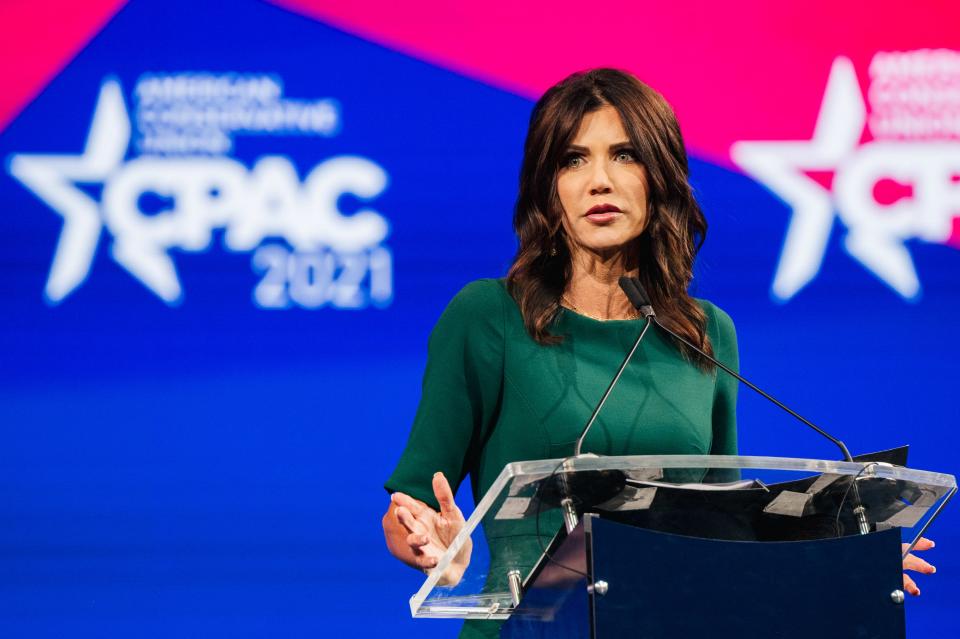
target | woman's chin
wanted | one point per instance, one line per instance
(609, 249)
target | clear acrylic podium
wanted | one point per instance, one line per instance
(679, 545)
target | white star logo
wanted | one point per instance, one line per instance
(876, 234)
(200, 194)
(54, 179)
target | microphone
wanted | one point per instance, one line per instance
(637, 296)
(641, 301)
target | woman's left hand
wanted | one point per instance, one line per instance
(912, 562)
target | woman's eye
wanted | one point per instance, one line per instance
(573, 161)
(626, 156)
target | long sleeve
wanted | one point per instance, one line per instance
(461, 392)
(724, 339)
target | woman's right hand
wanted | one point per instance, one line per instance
(418, 535)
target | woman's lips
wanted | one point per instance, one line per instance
(603, 217)
(603, 213)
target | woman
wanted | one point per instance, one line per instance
(516, 367)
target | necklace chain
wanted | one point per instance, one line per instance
(573, 307)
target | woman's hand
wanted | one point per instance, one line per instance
(912, 562)
(418, 535)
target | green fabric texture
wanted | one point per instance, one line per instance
(492, 395)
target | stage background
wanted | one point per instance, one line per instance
(203, 393)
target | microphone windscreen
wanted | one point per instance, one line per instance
(641, 290)
(634, 291)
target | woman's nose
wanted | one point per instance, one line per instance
(600, 179)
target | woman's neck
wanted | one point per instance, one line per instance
(594, 286)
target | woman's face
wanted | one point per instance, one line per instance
(602, 186)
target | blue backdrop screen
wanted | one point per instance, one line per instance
(226, 236)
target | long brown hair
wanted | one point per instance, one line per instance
(676, 227)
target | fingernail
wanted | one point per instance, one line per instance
(934, 569)
(438, 474)
(933, 544)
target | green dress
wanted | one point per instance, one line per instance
(492, 395)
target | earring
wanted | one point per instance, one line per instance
(557, 236)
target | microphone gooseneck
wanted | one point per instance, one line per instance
(641, 301)
(613, 382)
(648, 314)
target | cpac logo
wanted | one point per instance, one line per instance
(895, 175)
(333, 259)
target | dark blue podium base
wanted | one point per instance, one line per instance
(665, 586)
